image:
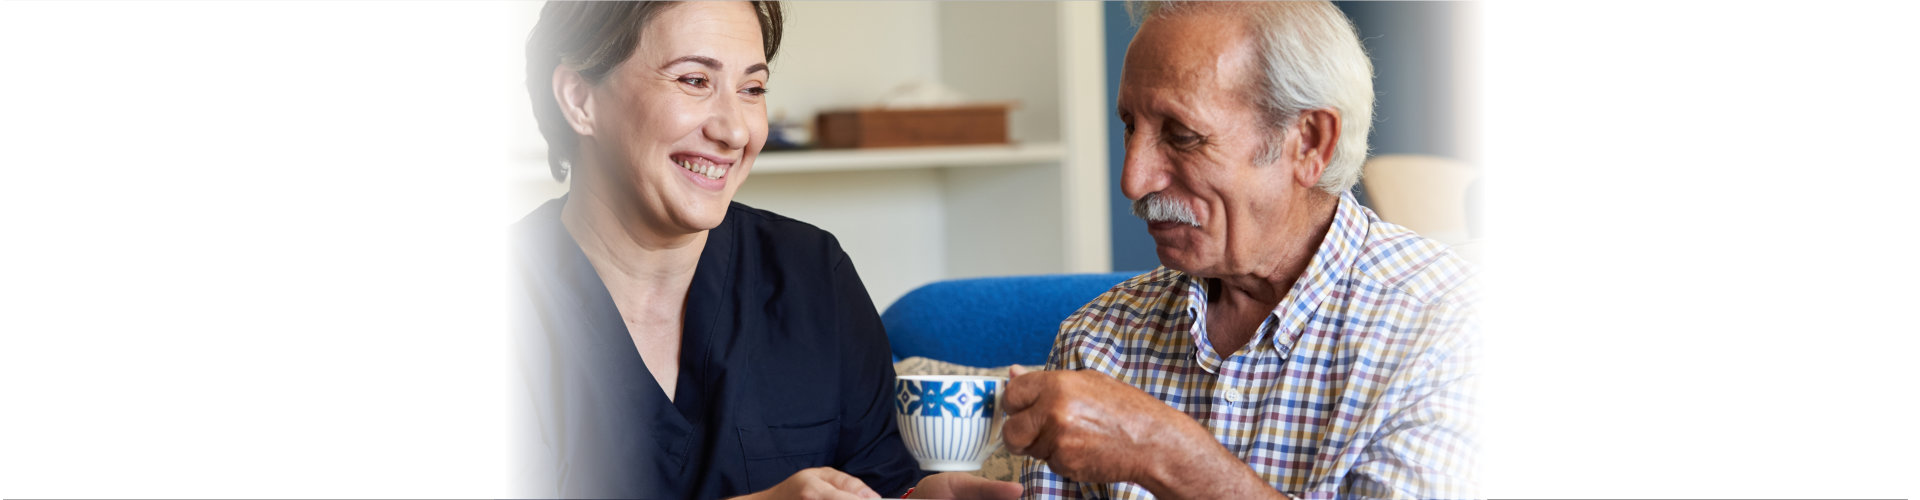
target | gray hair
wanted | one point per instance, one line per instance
(1157, 207)
(1310, 57)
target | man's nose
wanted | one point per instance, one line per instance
(1143, 172)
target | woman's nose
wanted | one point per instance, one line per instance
(728, 126)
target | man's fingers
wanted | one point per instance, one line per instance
(1029, 433)
(1044, 442)
(1019, 430)
(1023, 390)
(1016, 371)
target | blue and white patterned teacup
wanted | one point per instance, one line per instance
(949, 422)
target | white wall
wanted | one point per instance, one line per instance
(846, 54)
(1005, 51)
(906, 228)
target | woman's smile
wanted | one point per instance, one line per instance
(703, 170)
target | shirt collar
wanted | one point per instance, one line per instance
(1288, 319)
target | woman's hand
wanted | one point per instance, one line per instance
(964, 486)
(819, 483)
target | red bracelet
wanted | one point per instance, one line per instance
(909, 493)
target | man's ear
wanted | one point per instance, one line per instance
(1319, 131)
(575, 96)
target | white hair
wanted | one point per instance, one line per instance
(1310, 57)
(1156, 207)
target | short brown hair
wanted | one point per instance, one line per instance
(593, 37)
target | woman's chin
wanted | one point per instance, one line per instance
(704, 216)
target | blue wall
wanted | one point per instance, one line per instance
(1413, 46)
(1416, 68)
(1132, 247)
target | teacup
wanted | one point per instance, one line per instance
(949, 422)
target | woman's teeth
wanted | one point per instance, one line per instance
(711, 171)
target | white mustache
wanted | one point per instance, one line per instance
(1155, 207)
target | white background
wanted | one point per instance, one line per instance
(1701, 282)
(254, 249)
(251, 249)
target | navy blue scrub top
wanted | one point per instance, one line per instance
(783, 366)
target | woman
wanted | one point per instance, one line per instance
(677, 344)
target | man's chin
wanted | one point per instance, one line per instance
(1174, 234)
(1173, 257)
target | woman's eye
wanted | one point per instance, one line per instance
(756, 91)
(694, 81)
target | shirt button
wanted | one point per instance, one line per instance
(1233, 396)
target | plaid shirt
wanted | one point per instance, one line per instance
(1358, 384)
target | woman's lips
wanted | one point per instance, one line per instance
(705, 171)
(700, 164)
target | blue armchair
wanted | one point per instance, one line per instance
(990, 321)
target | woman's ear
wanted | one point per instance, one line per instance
(1319, 131)
(575, 96)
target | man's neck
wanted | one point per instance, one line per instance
(1296, 239)
(1239, 302)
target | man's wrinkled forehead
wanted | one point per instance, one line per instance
(1186, 52)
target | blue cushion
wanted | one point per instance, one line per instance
(990, 321)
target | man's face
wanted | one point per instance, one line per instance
(1193, 139)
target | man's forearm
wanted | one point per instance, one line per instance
(1202, 469)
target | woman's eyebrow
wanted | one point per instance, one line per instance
(710, 63)
(713, 64)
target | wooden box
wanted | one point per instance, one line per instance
(885, 128)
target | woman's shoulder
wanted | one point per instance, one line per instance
(535, 237)
(784, 237)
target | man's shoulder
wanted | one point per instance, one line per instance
(1398, 260)
(1147, 289)
(1130, 310)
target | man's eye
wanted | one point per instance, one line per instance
(1183, 140)
(694, 81)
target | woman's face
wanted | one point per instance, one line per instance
(679, 123)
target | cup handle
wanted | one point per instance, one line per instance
(994, 442)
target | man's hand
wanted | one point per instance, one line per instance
(819, 483)
(1089, 427)
(964, 486)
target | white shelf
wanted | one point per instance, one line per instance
(839, 160)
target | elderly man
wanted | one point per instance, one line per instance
(1293, 345)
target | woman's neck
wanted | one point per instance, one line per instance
(629, 249)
